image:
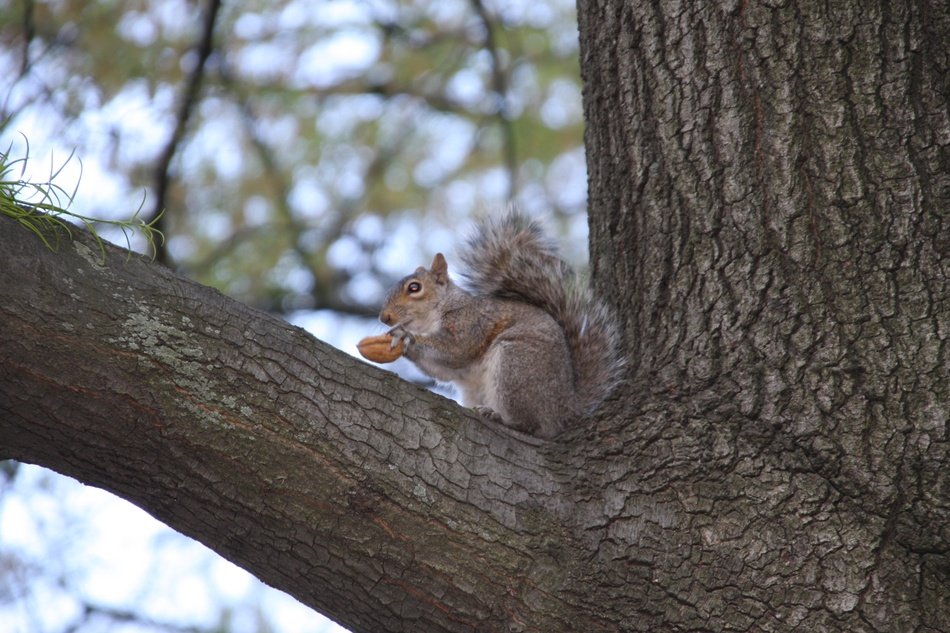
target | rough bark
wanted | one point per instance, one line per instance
(769, 187)
(769, 195)
(380, 504)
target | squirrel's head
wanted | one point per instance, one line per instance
(416, 294)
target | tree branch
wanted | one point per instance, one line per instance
(92, 611)
(500, 88)
(29, 31)
(186, 105)
(362, 496)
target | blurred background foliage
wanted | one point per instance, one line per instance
(293, 143)
(306, 153)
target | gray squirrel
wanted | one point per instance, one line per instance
(527, 345)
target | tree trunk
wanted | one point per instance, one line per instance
(769, 188)
(768, 194)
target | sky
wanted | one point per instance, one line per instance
(114, 555)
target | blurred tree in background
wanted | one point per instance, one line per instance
(287, 142)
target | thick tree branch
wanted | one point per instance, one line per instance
(371, 500)
(390, 509)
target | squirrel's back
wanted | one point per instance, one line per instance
(511, 258)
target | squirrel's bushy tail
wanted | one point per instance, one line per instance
(511, 258)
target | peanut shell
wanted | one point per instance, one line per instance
(379, 348)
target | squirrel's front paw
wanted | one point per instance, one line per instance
(400, 335)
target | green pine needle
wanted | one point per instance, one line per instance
(43, 208)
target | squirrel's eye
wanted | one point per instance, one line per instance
(414, 287)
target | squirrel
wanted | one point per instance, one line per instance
(527, 345)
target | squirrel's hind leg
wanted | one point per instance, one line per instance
(489, 414)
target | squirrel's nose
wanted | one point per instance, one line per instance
(386, 317)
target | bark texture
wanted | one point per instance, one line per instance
(380, 504)
(769, 193)
(770, 186)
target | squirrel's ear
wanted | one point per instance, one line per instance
(439, 267)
